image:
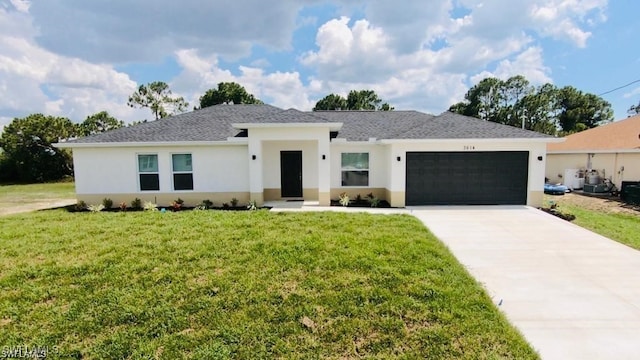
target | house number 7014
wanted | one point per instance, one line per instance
(469, 147)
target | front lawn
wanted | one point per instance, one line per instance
(245, 285)
(621, 227)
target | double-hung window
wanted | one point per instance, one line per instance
(355, 169)
(182, 172)
(148, 172)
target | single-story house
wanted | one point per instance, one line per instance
(263, 153)
(612, 149)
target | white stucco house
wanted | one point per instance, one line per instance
(262, 153)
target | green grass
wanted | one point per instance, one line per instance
(216, 285)
(17, 195)
(620, 227)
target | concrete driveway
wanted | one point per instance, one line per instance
(572, 293)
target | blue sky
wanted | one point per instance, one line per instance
(74, 58)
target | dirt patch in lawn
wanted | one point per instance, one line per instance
(608, 204)
(40, 205)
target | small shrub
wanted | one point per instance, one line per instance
(208, 204)
(344, 199)
(123, 206)
(374, 201)
(81, 205)
(149, 206)
(136, 204)
(225, 205)
(252, 205)
(96, 207)
(107, 203)
(358, 198)
(234, 202)
(176, 205)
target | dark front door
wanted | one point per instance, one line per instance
(467, 178)
(291, 173)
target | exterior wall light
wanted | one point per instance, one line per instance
(253, 157)
(324, 157)
(398, 158)
(539, 158)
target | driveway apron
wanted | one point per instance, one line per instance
(572, 293)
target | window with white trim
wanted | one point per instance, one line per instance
(182, 171)
(148, 172)
(355, 169)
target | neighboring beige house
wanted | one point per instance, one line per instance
(262, 153)
(613, 150)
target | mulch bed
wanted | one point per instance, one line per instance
(561, 215)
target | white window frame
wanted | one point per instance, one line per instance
(157, 173)
(368, 169)
(174, 172)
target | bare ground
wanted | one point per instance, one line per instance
(603, 203)
(40, 205)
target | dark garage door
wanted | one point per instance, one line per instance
(467, 178)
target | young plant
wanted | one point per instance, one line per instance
(176, 205)
(96, 207)
(344, 199)
(358, 198)
(123, 206)
(107, 203)
(81, 205)
(149, 206)
(225, 205)
(208, 204)
(234, 202)
(374, 202)
(136, 204)
(252, 205)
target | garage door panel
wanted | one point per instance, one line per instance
(466, 178)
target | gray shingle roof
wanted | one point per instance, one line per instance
(215, 124)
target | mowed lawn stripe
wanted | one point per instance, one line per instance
(246, 285)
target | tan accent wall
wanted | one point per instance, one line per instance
(165, 199)
(324, 198)
(353, 192)
(258, 198)
(275, 194)
(271, 194)
(536, 198)
(396, 198)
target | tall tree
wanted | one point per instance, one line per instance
(577, 107)
(27, 150)
(227, 93)
(98, 123)
(157, 97)
(356, 100)
(545, 109)
(331, 102)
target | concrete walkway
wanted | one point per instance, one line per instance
(572, 293)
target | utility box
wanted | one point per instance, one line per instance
(599, 188)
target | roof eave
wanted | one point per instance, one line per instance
(74, 145)
(595, 151)
(476, 140)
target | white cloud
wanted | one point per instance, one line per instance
(36, 80)
(528, 63)
(200, 73)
